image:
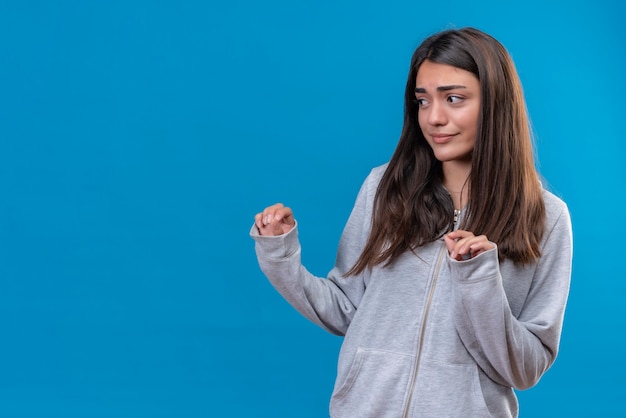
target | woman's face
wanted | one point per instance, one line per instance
(448, 100)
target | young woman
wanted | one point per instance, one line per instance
(453, 270)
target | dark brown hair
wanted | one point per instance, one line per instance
(411, 206)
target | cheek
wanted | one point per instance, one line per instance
(469, 120)
(421, 119)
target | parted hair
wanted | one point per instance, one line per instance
(411, 206)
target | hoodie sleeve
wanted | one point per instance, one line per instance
(515, 351)
(329, 302)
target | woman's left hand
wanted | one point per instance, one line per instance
(464, 244)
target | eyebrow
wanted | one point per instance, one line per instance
(441, 88)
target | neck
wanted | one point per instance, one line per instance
(456, 181)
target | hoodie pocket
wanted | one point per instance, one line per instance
(375, 386)
(448, 390)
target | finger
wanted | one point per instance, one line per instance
(258, 220)
(463, 245)
(277, 228)
(275, 220)
(282, 222)
(278, 215)
(285, 215)
(466, 244)
(459, 234)
(480, 246)
(458, 243)
(269, 212)
(457, 251)
(453, 250)
(450, 242)
(473, 246)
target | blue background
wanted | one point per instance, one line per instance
(139, 138)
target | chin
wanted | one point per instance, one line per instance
(446, 157)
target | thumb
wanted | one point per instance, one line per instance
(277, 228)
(450, 241)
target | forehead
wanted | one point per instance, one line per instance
(434, 74)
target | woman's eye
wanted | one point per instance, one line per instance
(455, 99)
(419, 102)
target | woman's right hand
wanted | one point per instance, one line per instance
(274, 220)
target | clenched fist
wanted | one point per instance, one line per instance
(274, 220)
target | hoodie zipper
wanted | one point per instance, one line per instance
(429, 300)
(423, 328)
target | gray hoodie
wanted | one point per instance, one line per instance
(429, 336)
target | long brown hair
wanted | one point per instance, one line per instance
(411, 206)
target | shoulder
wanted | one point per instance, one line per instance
(375, 175)
(557, 215)
(555, 206)
(379, 171)
(367, 193)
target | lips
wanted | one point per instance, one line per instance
(441, 138)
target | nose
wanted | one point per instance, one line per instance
(437, 114)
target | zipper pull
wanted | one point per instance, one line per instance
(456, 216)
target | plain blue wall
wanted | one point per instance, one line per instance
(138, 139)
